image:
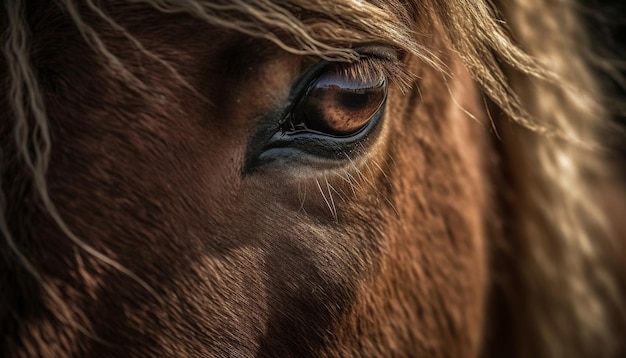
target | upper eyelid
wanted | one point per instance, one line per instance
(382, 52)
(387, 60)
(376, 58)
(367, 68)
(373, 59)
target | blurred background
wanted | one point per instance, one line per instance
(607, 21)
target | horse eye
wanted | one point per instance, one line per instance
(339, 104)
(332, 115)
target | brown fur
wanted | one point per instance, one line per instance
(427, 247)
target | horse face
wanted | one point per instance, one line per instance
(209, 247)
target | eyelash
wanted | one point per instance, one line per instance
(369, 66)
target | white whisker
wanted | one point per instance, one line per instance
(324, 197)
(330, 195)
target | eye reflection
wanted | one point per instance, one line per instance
(338, 103)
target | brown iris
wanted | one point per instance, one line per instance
(339, 104)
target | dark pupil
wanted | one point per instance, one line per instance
(338, 106)
(355, 100)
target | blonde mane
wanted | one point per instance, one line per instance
(527, 56)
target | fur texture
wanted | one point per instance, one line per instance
(128, 227)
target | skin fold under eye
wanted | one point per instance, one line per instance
(338, 103)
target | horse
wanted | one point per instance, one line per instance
(299, 178)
